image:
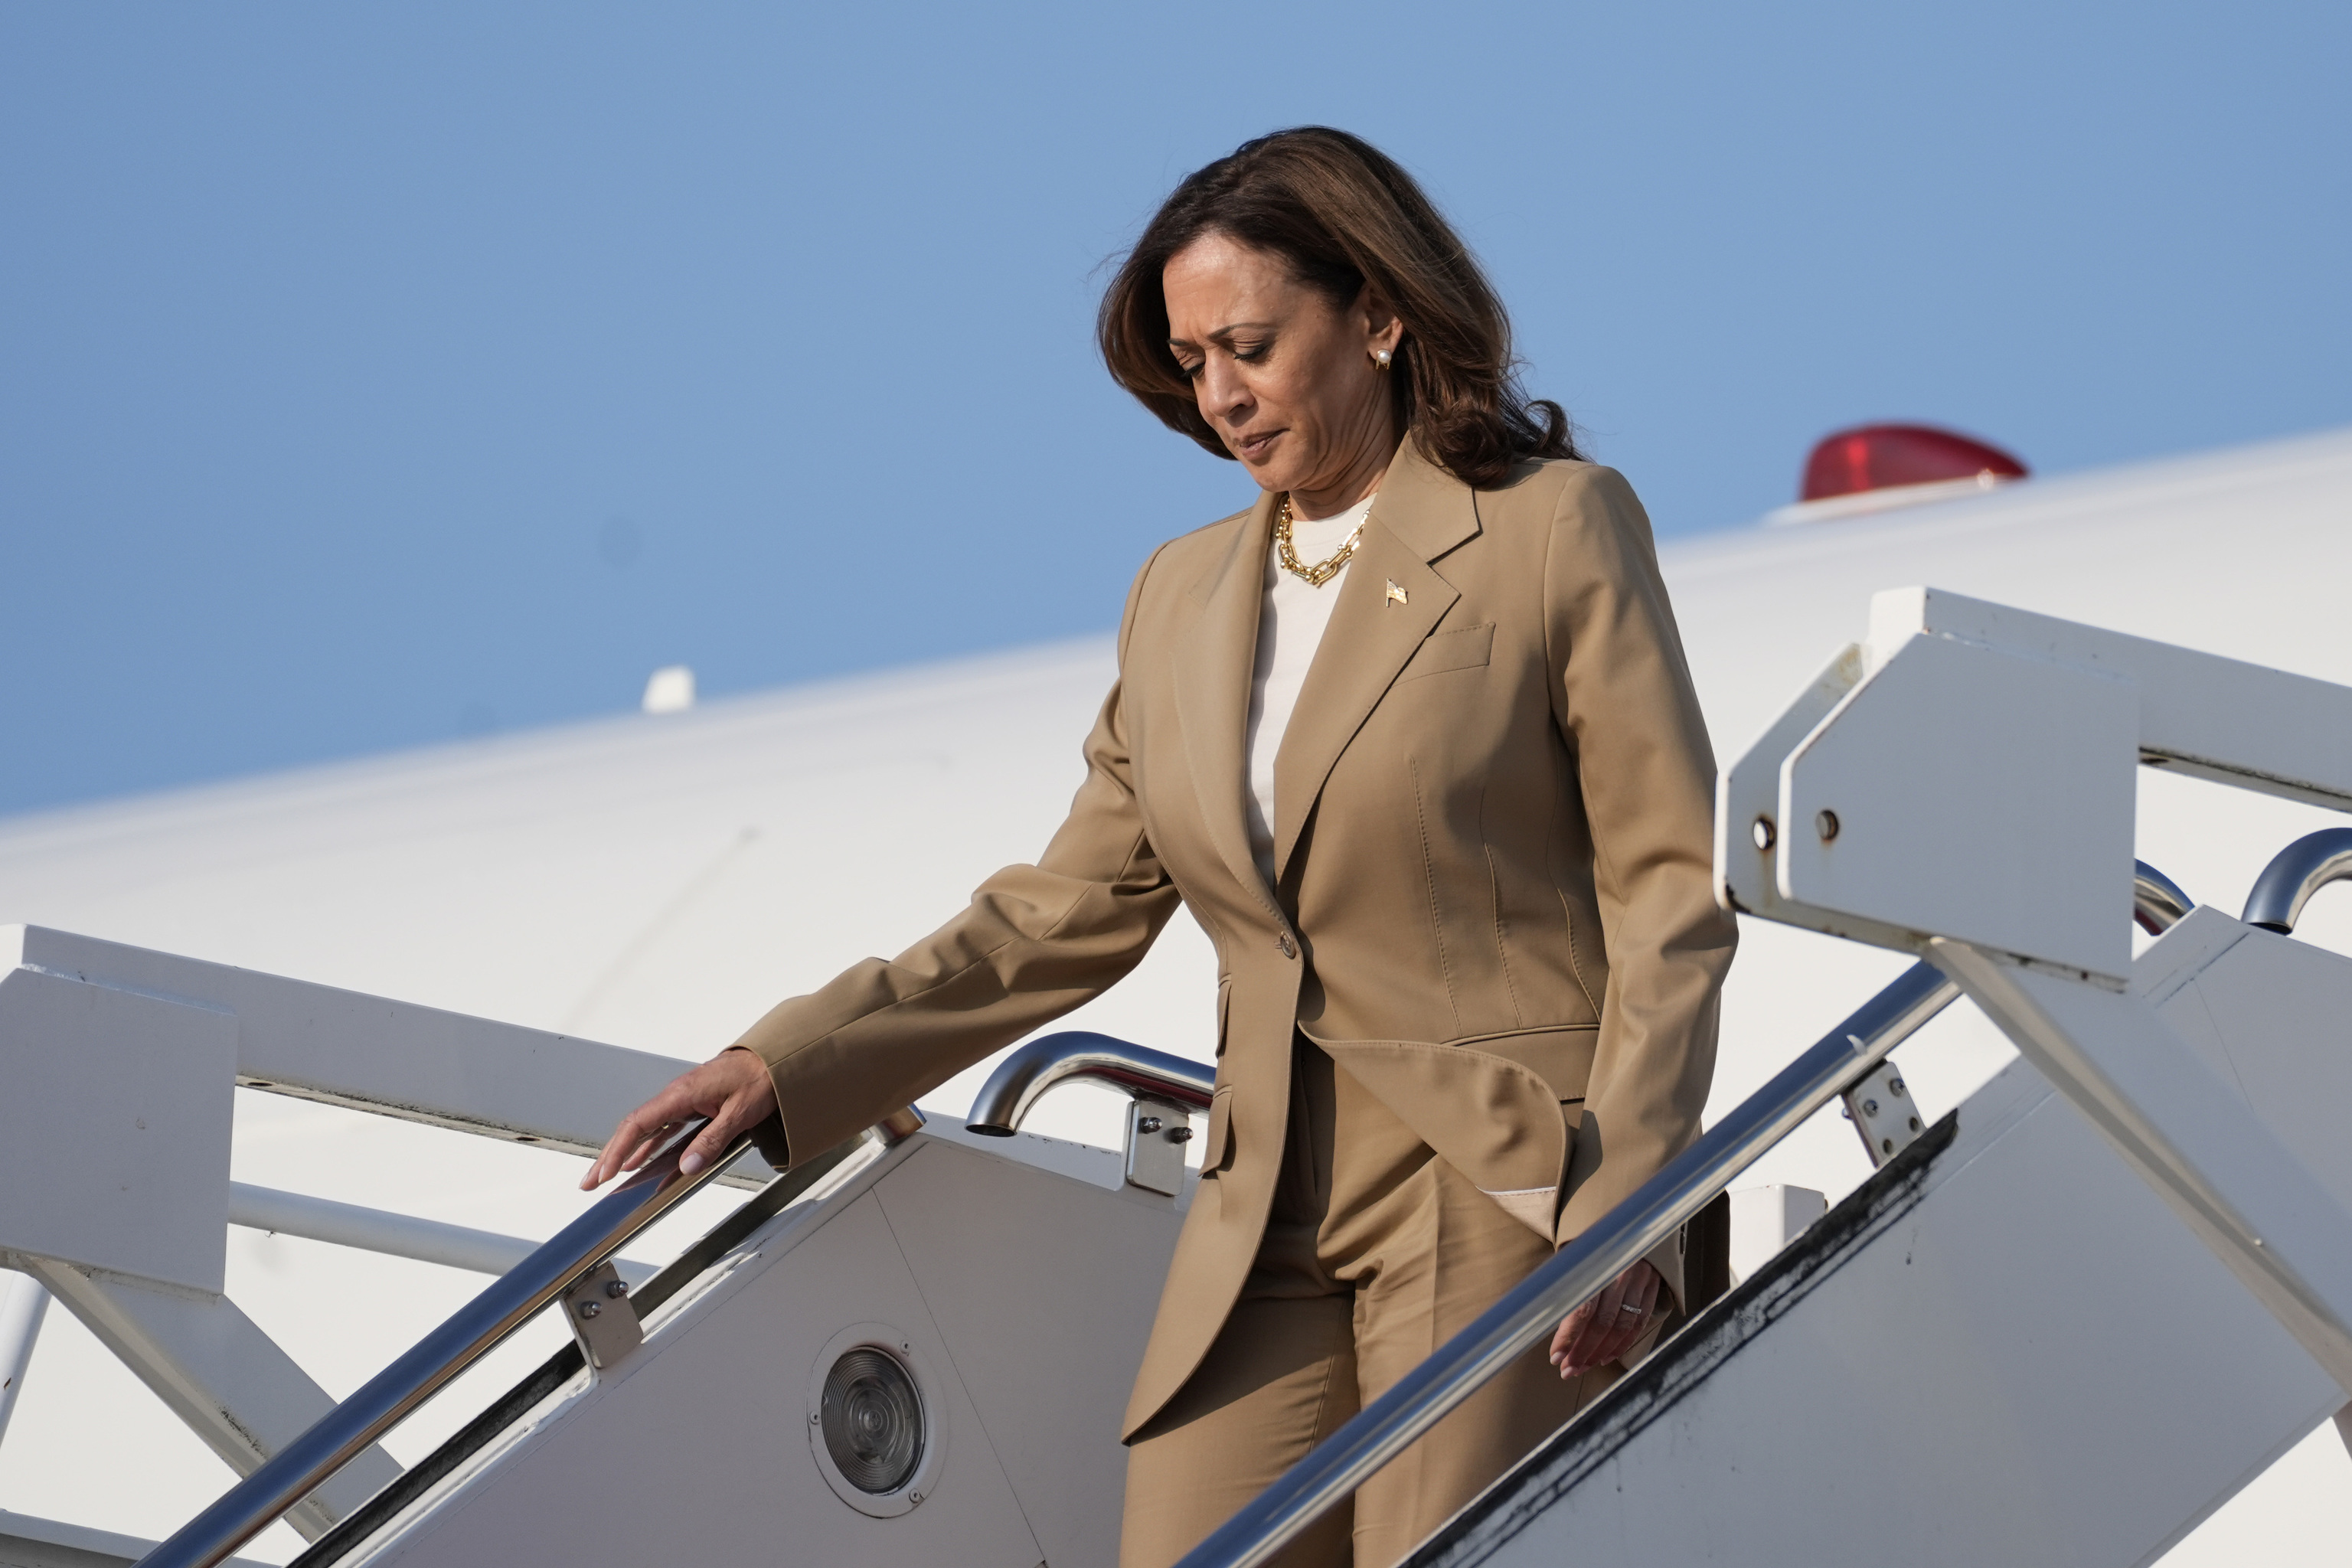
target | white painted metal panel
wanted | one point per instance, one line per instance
(1969, 792)
(2273, 1017)
(695, 1445)
(114, 1128)
(1027, 1296)
(2189, 1134)
(1045, 1292)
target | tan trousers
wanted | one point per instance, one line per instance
(1377, 1253)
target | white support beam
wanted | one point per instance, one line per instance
(218, 1372)
(394, 1235)
(391, 1058)
(27, 1541)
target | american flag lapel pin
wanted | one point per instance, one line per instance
(1396, 594)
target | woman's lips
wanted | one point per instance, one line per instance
(1254, 447)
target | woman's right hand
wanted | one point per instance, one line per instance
(732, 1089)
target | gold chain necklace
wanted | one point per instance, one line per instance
(1322, 572)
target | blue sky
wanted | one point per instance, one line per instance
(376, 376)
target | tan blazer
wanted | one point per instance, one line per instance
(1492, 843)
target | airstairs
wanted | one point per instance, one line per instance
(2062, 1323)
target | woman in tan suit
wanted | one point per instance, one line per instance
(1413, 740)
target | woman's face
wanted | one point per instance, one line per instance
(1284, 376)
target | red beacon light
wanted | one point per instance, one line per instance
(1871, 467)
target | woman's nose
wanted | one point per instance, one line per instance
(1224, 395)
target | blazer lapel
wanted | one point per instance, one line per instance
(1420, 513)
(1216, 659)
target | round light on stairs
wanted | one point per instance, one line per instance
(873, 1421)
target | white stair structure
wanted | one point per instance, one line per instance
(2004, 1348)
(2064, 1323)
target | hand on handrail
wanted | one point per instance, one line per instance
(1610, 1324)
(732, 1089)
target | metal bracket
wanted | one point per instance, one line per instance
(1156, 1131)
(602, 1317)
(1881, 1111)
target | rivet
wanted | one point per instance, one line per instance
(1915, 1124)
(1894, 1086)
(1870, 1108)
(589, 1309)
(1826, 824)
(914, 1496)
(1886, 1145)
(617, 1287)
(1179, 1135)
(1764, 832)
(1147, 1124)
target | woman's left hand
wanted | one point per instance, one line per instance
(1610, 1324)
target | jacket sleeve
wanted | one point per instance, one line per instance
(1035, 942)
(1623, 700)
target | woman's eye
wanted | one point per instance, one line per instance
(1249, 353)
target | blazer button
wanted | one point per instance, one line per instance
(1281, 941)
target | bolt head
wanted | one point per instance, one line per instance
(1826, 824)
(1870, 1108)
(589, 1309)
(1764, 832)
(1894, 1086)
(616, 1289)
(1147, 1124)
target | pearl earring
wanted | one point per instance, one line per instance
(1380, 358)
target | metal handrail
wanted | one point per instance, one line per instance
(1014, 1088)
(1582, 1270)
(255, 1503)
(2158, 902)
(2297, 872)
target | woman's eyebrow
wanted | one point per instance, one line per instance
(1225, 331)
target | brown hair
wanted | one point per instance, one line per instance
(1343, 214)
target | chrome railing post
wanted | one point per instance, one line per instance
(1024, 1077)
(2297, 872)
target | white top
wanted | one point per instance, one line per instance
(1290, 623)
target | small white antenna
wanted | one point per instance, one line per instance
(669, 689)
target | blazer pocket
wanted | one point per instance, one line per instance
(1217, 1153)
(1561, 1057)
(1468, 648)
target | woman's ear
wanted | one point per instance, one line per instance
(1384, 329)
